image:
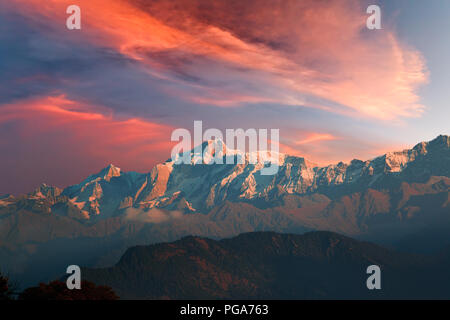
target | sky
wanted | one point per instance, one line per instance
(73, 101)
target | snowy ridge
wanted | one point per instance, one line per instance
(198, 187)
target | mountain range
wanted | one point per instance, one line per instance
(400, 199)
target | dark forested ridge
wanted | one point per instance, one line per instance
(267, 265)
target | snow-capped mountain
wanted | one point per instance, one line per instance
(400, 198)
(199, 187)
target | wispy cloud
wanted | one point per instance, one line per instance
(52, 134)
(315, 137)
(311, 53)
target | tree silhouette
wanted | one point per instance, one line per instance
(57, 290)
(5, 288)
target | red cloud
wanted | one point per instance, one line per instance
(314, 53)
(60, 141)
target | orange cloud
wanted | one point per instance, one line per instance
(324, 149)
(69, 140)
(314, 137)
(88, 124)
(314, 149)
(312, 53)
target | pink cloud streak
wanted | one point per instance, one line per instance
(60, 141)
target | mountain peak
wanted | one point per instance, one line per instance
(45, 191)
(443, 140)
(109, 172)
(5, 196)
(208, 149)
(112, 167)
